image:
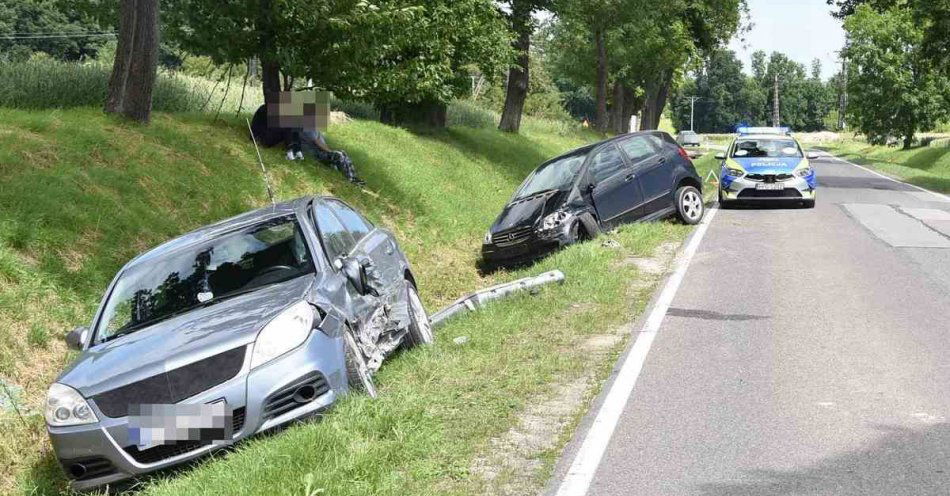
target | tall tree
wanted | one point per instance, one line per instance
(892, 85)
(408, 58)
(136, 61)
(516, 92)
(931, 16)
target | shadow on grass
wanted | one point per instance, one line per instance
(513, 155)
(903, 461)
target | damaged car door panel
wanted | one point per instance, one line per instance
(228, 331)
(634, 177)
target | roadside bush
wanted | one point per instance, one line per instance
(470, 114)
(356, 110)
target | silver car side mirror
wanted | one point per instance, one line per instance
(355, 273)
(77, 337)
(720, 156)
(812, 156)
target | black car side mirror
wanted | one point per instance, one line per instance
(355, 272)
(77, 337)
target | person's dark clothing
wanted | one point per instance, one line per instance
(339, 160)
(265, 135)
(298, 140)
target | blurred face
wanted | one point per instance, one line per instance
(300, 109)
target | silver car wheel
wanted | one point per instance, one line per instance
(419, 318)
(692, 205)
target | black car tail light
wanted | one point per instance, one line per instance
(683, 153)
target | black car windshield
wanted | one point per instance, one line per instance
(203, 274)
(554, 175)
(766, 147)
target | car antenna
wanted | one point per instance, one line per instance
(270, 192)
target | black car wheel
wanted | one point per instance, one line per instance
(420, 329)
(689, 205)
(357, 372)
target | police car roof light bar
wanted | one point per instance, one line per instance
(745, 130)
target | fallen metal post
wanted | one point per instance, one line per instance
(478, 299)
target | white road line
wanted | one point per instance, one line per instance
(942, 196)
(581, 473)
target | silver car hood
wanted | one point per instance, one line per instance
(181, 340)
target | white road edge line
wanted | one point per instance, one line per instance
(942, 196)
(581, 472)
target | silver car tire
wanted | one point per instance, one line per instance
(420, 328)
(357, 372)
(689, 205)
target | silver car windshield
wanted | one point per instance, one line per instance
(203, 274)
(554, 175)
(766, 147)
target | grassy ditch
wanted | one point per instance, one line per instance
(81, 193)
(927, 166)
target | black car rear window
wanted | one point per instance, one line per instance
(203, 274)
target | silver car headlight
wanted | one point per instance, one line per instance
(553, 221)
(487, 239)
(288, 330)
(65, 407)
(734, 172)
(805, 172)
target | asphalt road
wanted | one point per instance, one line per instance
(805, 352)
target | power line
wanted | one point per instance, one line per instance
(55, 36)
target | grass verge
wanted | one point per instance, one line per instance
(927, 166)
(81, 193)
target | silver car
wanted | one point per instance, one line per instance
(229, 331)
(689, 138)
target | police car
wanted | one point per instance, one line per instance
(766, 164)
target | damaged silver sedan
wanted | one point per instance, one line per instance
(229, 331)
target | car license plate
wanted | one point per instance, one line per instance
(770, 186)
(154, 425)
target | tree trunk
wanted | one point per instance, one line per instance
(137, 102)
(429, 113)
(270, 79)
(600, 114)
(123, 57)
(630, 106)
(616, 109)
(517, 90)
(908, 140)
(655, 100)
(270, 67)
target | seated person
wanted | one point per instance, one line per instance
(313, 142)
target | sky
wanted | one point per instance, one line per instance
(801, 29)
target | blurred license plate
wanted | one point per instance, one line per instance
(770, 186)
(154, 425)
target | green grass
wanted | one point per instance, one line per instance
(927, 166)
(47, 83)
(81, 193)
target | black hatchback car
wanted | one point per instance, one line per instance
(634, 177)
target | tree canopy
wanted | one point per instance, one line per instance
(893, 88)
(728, 97)
(28, 26)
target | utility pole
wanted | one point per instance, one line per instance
(776, 117)
(843, 90)
(692, 109)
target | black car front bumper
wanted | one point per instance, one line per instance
(526, 247)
